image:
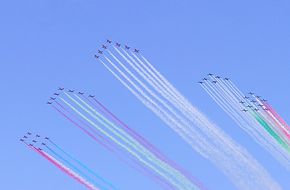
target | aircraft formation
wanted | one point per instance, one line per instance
(251, 112)
(259, 119)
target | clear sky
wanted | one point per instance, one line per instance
(50, 43)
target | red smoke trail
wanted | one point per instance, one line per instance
(62, 168)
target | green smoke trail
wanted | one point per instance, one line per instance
(268, 128)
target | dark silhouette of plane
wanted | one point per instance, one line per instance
(118, 45)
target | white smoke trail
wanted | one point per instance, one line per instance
(220, 150)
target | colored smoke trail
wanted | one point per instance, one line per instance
(109, 146)
(65, 169)
(156, 93)
(172, 176)
(252, 115)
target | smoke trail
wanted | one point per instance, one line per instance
(258, 123)
(181, 116)
(110, 146)
(65, 169)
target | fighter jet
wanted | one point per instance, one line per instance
(260, 105)
(118, 45)
(136, 50)
(210, 74)
(109, 41)
(251, 93)
(264, 100)
(43, 144)
(214, 81)
(81, 93)
(29, 133)
(242, 102)
(91, 96)
(48, 102)
(204, 79)
(200, 82)
(60, 88)
(37, 135)
(258, 97)
(218, 77)
(51, 98)
(244, 110)
(249, 106)
(266, 109)
(256, 109)
(97, 57)
(25, 137)
(104, 47)
(56, 94)
(34, 141)
(253, 101)
(246, 97)
(100, 52)
(40, 149)
(127, 47)
(226, 78)
(22, 140)
(46, 138)
(70, 90)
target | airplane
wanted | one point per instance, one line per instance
(56, 94)
(244, 110)
(29, 133)
(226, 78)
(127, 47)
(59, 88)
(104, 47)
(118, 45)
(22, 140)
(34, 141)
(37, 135)
(256, 109)
(214, 81)
(242, 102)
(100, 52)
(258, 97)
(48, 102)
(200, 82)
(91, 96)
(40, 149)
(210, 74)
(246, 97)
(218, 77)
(204, 79)
(253, 101)
(97, 56)
(136, 50)
(251, 93)
(25, 137)
(52, 98)
(43, 144)
(266, 109)
(109, 41)
(81, 93)
(261, 105)
(30, 144)
(46, 138)
(70, 90)
(264, 100)
(249, 106)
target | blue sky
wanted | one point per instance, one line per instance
(49, 43)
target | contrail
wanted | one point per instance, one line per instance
(193, 126)
(252, 115)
